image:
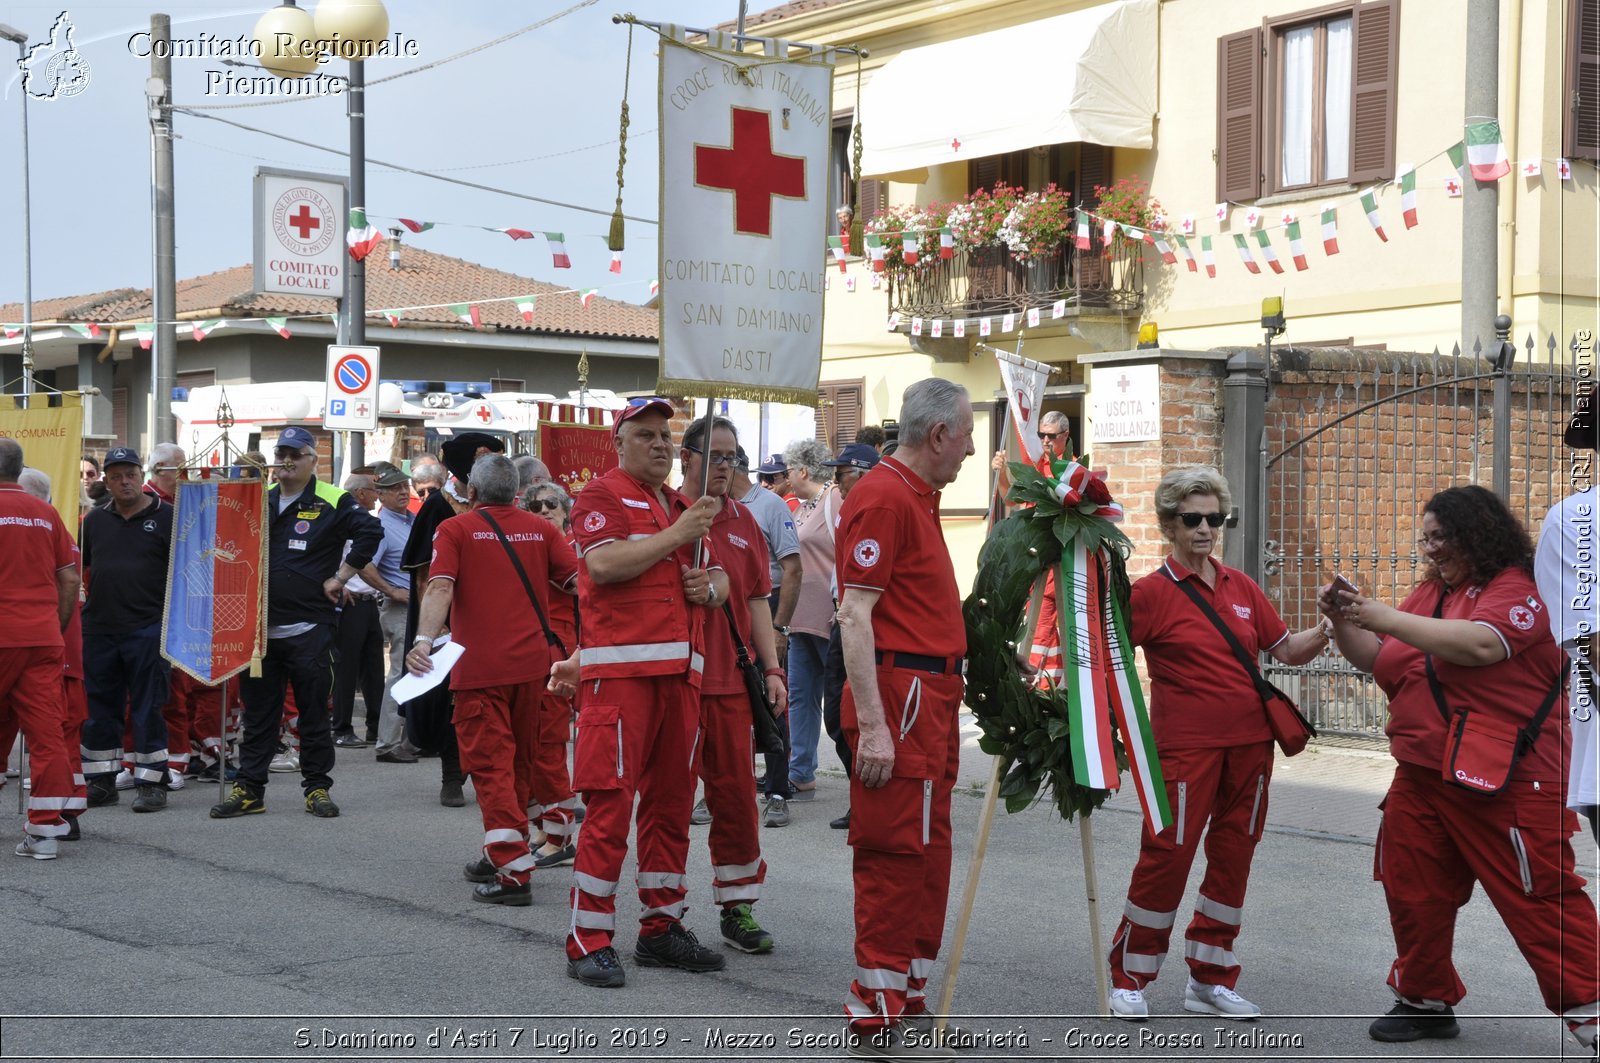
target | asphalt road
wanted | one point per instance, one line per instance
(173, 936)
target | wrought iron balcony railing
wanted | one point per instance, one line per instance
(989, 280)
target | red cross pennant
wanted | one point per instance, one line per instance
(751, 171)
(305, 222)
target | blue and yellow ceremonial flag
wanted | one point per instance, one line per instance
(215, 625)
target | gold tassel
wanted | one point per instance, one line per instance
(255, 666)
(614, 238)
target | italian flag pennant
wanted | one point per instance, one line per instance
(416, 226)
(467, 313)
(1210, 259)
(1330, 231)
(616, 262)
(391, 316)
(1486, 151)
(201, 329)
(525, 307)
(908, 248)
(145, 334)
(1244, 253)
(1369, 203)
(1107, 231)
(1458, 157)
(361, 237)
(280, 325)
(1297, 246)
(1188, 253)
(1267, 252)
(947, 243)
(1408, 196)
(655, 286)
(876, 252)
(558, 250)
(1163, 248)
(12, 331)
(89, 331)
(836, 245)
(515, 234)
(1083, 231)
(586, 297)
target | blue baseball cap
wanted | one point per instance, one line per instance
(773, 466)
(856, 456)
(295, 438)
(121, 456)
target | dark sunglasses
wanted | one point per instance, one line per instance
(1051, 435)
(716, 458)
(1192, 520)
(548, 503)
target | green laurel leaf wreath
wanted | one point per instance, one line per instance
(1029, 727)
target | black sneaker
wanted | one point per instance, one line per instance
(210, 773)
(1406, 1023)
(565, 856)
(677, 947)
(480, 870)
(517, 895)
(152, 798)
(241, 801)
(452, 796)
(599, 968)
(74, 832)
(741, 931)
(102, 791)
(842, 823)
(319, 804)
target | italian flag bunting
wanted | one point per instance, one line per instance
(525, 307)
(280, 325)
(1188, 253)
(586, 296)
(467, 313)
(947, 243)
(361, 237)
(416, 226)
(1107, 231)
(1297, 246)
(655, 286)
(515, 234)
(1408, 196)
(836, 245)
(558, 250)
(1244, 253)
(1486, 152)
(89, 331)
(145, 334)
(1369, 203)
(1458, 157)
(391, 316)
(616, 262)
(876, 252)
(908, 248)
(1168, 256)
(1209, 257)
(1267, 252)
(1083, 231)
(1330, 231)
(201, 329)
(12, 331)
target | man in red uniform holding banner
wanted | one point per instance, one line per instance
(642, 599)
(904, 642)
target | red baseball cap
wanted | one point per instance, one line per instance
(639, 406)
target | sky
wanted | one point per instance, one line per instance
(537, 115)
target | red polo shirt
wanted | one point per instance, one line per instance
(1200, 696)
(889, 540)
(1509, 606)
(742, 550)
(34, 545)
(490, 614)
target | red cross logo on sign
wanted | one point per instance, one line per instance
(482, 414)
(361, 409)
(1123, 383)
(304, 222)
(751, 171)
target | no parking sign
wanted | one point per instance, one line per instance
(351, 402)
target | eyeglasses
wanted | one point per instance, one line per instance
(716, 457)
(548, 503)
(1192, 520)
(1433, 540)
(1048, 436)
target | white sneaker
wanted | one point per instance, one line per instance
(1128, 1004)
(125, 779)
(175, 780)
(285, 762)
(38, 848)
(1218, 1000)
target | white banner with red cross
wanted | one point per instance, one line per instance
(744, 189)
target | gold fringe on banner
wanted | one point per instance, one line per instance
(723, 390)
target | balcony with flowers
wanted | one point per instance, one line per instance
(1003, 250)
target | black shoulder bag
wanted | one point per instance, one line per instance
(550, 636)
(1481, 752)
(763, 714)
(1290, 729)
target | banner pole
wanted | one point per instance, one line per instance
(1091, 885)
(222, 749)
(705, 470)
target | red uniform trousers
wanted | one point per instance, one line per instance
(193, 714)
(901, 837)
(1436, 840)
(551, 801)
(1045, 653)
(32, 698)
(1228, 787)
(727, 751)
(496, 728)
(77, 703)
(636, 736)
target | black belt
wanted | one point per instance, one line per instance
(917, 662)
(373, 597)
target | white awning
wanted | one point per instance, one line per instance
(1086, 76)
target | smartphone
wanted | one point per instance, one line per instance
(1342, 585)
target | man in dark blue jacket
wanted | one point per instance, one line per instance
(309, 522)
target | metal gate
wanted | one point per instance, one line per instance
(1350, 454)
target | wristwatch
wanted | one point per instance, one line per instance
(782, 629)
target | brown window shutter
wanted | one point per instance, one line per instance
(1373, 90)
(119, 416)
(846, 414)
(1094, 168)
(871, 201)
(983, 173)
(1580, 133)
(1239, 64)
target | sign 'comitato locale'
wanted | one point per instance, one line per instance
(744, 186)
(299, 233)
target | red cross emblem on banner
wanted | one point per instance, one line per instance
(751, 171)
(483, 414)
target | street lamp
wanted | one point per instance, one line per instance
(350, 29)
(21, 40)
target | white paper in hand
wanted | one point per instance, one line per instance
(445, 656)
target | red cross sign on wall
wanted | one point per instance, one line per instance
(751, 171)
(305, 222)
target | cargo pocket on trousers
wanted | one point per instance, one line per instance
(897, 817)
(1540, 849)
(597, 760)
(1377, 849)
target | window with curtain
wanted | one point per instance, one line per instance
(1314, 102)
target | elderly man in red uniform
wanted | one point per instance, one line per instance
(39, 569)
(737, 869)
(643, 595)
(486, 564)
(904, 642)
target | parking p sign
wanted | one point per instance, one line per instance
(351, 402)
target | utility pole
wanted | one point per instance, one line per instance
(355, 294)
(1480, 201)
(164, 350)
